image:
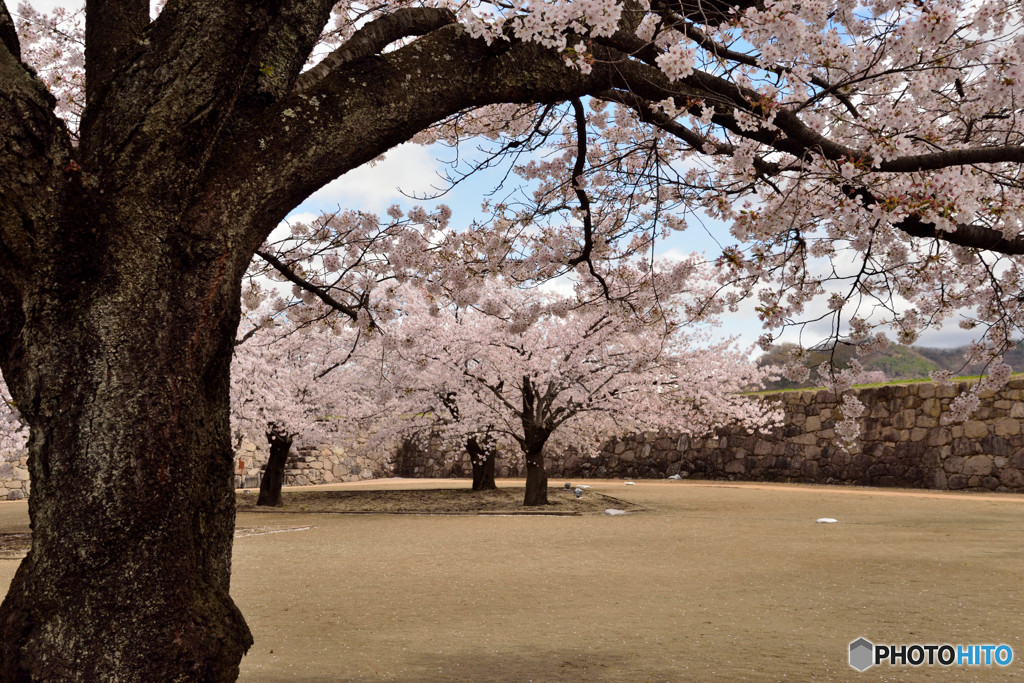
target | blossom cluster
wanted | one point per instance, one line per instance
(864, 158)
(54, 43)
(303, 380)
(522, 364)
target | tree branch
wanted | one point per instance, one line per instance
(642, 108)
(496, 391)
(331, 123)
(375, 36)
(113, 31)
(8, 36)
(311, 138)
(712, 12)
(973, 236)
(282, 52)
(346, 359)
(581, 195)
(319, 292)
(954, 157)
(645, 81)
(725, 54)
(177, 100)
(34, 150)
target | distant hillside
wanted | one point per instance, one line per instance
(896, 362)
(952, 359)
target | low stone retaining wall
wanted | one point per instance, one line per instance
(307, 465)
(903, 442)
(14, 484)
(419, 463)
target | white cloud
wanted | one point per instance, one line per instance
(562, 285)
(948, 336)
(306, 217)
(672, 255)
(408, 168)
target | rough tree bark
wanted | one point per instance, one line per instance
(536, 478)
(125, 381)
(120, 263)
(273, 472)
(481, 457)
(121, 259)
(535, 435)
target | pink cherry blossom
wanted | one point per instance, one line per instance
(538, 364)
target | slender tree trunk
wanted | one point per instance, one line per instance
(481, 456)
(124, 379)
(405, 459)
(273, 471)
(535, 435)
(536, 477)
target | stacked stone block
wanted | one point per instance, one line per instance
(310, 465)
(325, 464)
(904, 442)
(14, 484)
(13, 476)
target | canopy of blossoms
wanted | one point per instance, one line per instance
(524, 364)
(865, 156)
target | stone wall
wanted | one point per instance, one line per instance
(308, 465)
(903, 442)
(14, 484)
(416, 462)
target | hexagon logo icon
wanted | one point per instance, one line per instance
(862, 654)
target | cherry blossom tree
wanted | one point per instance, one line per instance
(345, 266)
(543, 374)
(426, 414)
(294, 381)
(129, 214)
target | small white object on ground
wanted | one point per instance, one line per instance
(584, 487)
(675, 476)
(613, 512)
(827, 520)
(630, 483)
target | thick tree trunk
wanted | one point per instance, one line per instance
(124, 379)
(481, 457)
(121, 258)
(273, 471)
(536, 477)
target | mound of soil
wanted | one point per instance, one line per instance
(508, 501)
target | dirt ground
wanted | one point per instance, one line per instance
(710, 581)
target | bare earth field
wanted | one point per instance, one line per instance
(709, 581)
